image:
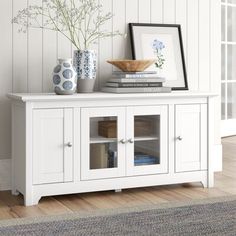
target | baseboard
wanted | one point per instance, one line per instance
(5, 174)
(218, 158)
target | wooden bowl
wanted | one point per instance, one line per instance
(132, 65)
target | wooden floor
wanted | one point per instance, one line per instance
(225, 184)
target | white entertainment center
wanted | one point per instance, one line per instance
(102, 141)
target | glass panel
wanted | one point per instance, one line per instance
(223, 101)
(223, 23)
(103, 142)
(231, 62)
(231, 98)
(146, 140)
(223, 69)
(231, 32)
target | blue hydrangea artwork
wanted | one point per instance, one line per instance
(157, 47)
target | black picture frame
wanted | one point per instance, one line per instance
(181, 82)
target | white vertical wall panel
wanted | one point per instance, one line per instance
(50, 55)
(105, 48)
(119, 23)
(29, 63)
(193, 44)
(144, 15)
(157, 11)
(204, 45)
(131, 17)
(181, 18)
(169, 11)
(215, 61)
(49, 58)
(35, 55)
(95, 46)
(20, 53)
(64, 46)
(5, 79)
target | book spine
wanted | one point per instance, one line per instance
(137, 90)
(134, 76)
(132, 85)
(137, 80)
(135, 72)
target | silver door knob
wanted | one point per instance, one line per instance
(179, 138)
(122, 141)
(69, 144)
(131, 140)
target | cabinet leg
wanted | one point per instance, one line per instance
(118, 190)
(31, 201)
(15, 192)
(204, 184)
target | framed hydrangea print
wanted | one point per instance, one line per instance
(162, 42)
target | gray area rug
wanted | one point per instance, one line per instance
(206, 217)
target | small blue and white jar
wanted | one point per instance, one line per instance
(85, 63)
(64, 77)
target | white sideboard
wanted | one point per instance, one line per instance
(101, 141)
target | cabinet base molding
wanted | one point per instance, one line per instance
(118, 190)
(120, 183)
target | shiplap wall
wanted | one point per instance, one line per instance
(27, 59)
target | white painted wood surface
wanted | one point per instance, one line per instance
(5, 80)
(29, 60)
(191, 137)
(42, 128)
(52, 158)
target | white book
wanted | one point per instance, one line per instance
(138, 80)
(132, 85)
(137, 90)
(143, 75)
(134, 72)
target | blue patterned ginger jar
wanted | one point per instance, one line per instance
(85, 62)
(64, 77)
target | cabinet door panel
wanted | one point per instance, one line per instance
(147, 135)
(191, 137)
(52, 159)
(102, 143)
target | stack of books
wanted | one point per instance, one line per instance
(141, 159)
(136, 82)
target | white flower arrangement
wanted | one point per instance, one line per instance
(79, 21)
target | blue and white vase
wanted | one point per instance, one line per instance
(64, 77)
(85, 62)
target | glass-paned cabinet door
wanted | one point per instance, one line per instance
(102, 143)
(147, 134)
(228, 69)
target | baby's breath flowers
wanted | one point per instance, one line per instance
(79, 21)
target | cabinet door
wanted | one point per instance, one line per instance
(191, 137)
(52, 146)
(147, 140)
(102, 143)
